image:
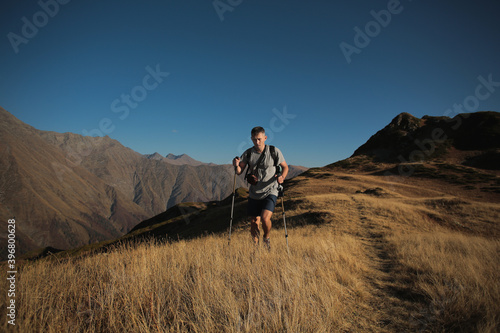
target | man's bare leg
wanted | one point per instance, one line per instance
(266, 224)
(254, 228)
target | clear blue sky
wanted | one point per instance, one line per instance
(301, 69)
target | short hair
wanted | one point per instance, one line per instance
(257, 130)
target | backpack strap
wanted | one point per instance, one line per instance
(261, 158)
(275, 156)
(248, 153)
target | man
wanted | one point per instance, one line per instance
(261, 175)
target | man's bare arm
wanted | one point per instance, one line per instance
(239, 165)
(284, 172)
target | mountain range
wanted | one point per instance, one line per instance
(182, 159)
(404, 232)
(446, 168)
(66, 190)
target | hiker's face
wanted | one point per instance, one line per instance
(259, 141)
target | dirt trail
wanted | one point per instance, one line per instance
(399, 306)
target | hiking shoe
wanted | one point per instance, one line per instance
(267, 243)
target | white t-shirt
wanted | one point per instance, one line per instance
(265, 172)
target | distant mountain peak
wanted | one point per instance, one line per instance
(171, 156)
(182, 159)
(174, 159)
(155, 156)
(405, 121)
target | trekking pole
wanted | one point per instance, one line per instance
(232, 206)
(281, 194)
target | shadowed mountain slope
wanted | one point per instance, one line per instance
(470, 139)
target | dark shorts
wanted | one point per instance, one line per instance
(255, 207)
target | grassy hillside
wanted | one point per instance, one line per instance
(368, 253)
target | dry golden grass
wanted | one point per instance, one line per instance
(409, 259)
(203, 285)
(459, 277)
